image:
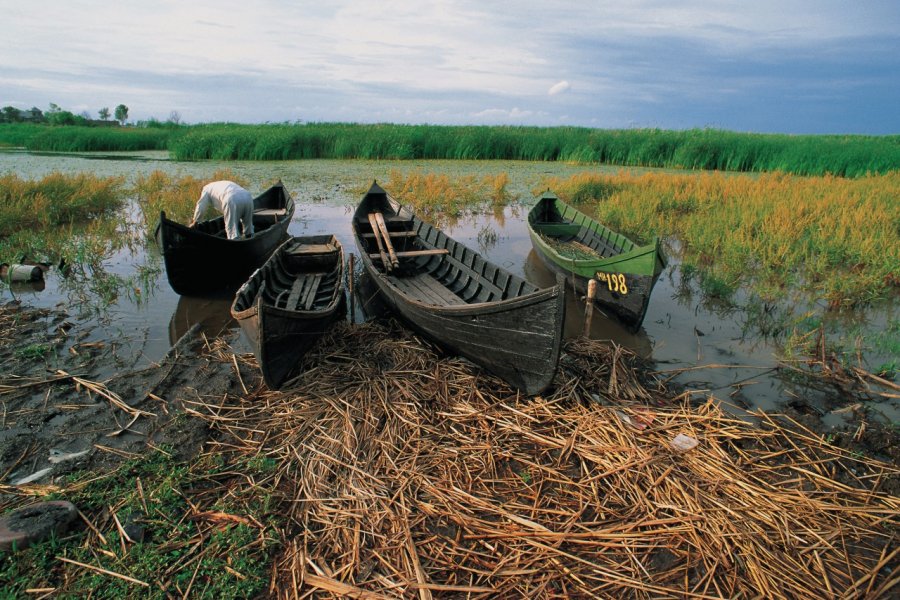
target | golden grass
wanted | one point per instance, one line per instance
(835, 237)
(441, 197)
(401, 474)
(56, 199)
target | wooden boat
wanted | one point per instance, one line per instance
(455, 297)
(201, 259)
(289, 302)
(571, 243)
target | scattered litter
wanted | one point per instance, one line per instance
(683, 443)
(33, 477)
(58, 456)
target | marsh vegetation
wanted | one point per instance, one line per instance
(247, 517)
(695, 149)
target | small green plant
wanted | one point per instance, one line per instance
(34, 351)
(888, 370)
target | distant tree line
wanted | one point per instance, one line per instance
(55, 115)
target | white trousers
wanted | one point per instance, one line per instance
(238, 209)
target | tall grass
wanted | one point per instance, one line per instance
(73, 219)
(710, 149)
(836, 238)
(849, 156)
(93, 139)
(56, 199)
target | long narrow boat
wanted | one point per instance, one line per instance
(455, 297)
(289, 302)
(201, 259)
(571, 243)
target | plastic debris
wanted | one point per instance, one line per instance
(683, 443)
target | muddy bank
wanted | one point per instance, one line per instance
(58, 418)
(389, 468)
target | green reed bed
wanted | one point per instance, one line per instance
(850, 156)
(74, 138)
(17, 134)
(831, 237)
(710, 149)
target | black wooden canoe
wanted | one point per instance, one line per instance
(201, 260)
(455, 297)
(571, 243)
(289, 302)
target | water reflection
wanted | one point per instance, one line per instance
(27, 287)
(213, 315)
(602, 327)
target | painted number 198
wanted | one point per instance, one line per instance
(615, 281)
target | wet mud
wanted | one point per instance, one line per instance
(57, 417)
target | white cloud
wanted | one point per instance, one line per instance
(428, 60)
(503, 114)
(559, 88)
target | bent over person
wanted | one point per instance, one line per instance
(234, 202)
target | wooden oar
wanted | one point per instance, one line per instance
(382, 227)
(384, 259)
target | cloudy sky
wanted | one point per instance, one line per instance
(794, 66)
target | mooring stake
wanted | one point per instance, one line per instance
(589, 306)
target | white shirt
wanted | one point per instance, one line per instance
(217, 193)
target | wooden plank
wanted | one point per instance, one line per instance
(312, 249)
(381, 254)
(435, 286)
(386, 238)
(296, 289)
(309, 294)
(270, 212)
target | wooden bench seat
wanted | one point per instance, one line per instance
(312, 249)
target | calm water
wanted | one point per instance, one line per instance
(680, 331)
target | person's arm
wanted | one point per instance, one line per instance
(201, 207)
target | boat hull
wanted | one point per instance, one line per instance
(201, 260)
(625, 277)
(282, 336)
(498, 321)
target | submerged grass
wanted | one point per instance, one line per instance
(832, 237)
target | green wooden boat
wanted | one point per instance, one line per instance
(571, 243)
